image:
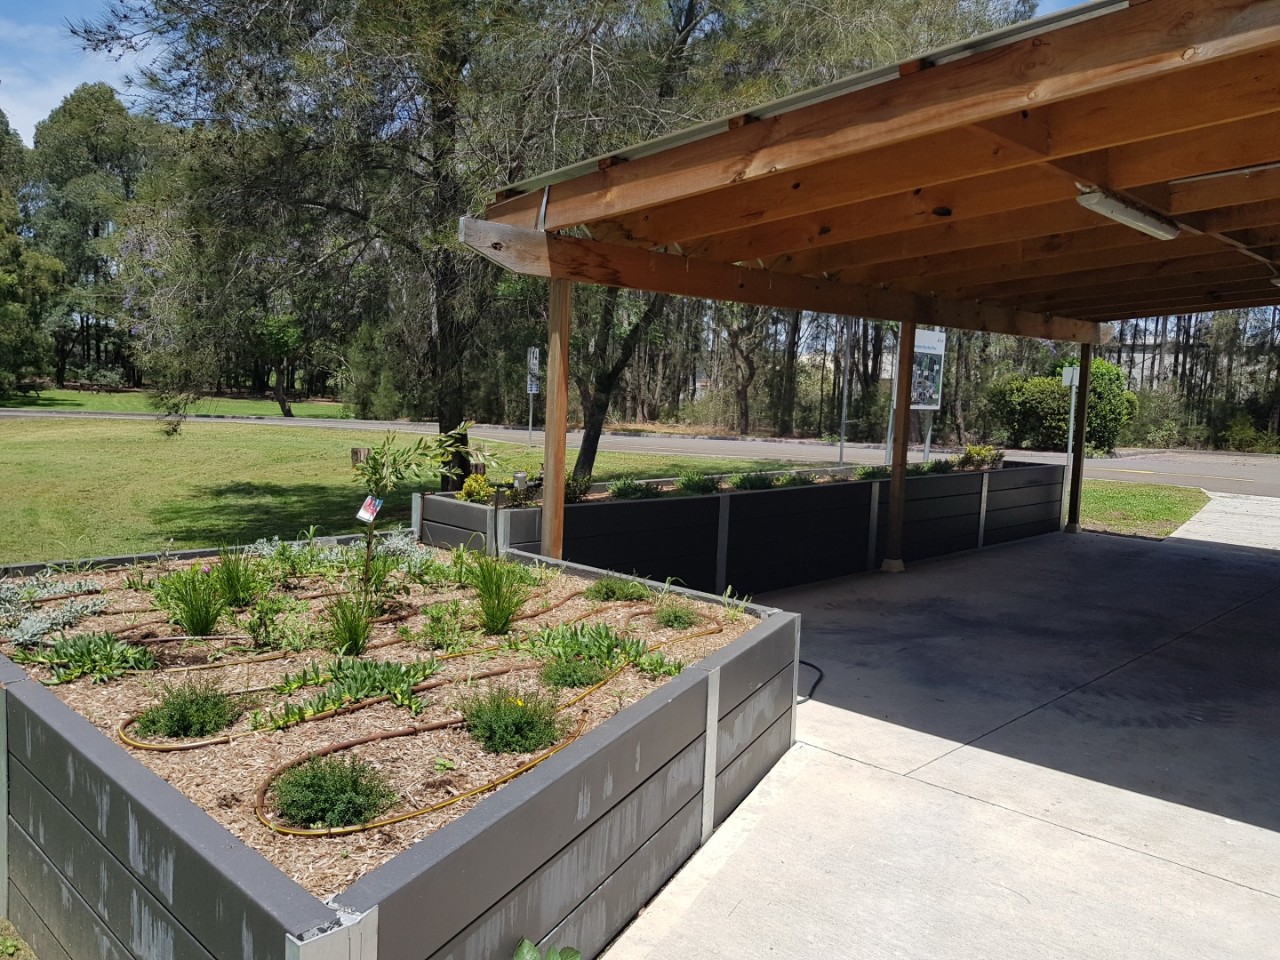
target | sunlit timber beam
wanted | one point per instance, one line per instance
(537, 254)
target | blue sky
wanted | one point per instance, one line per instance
(40, 63)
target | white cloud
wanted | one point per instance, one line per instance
(40, 64)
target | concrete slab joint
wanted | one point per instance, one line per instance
(352, 937)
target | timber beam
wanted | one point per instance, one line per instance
(539, 254)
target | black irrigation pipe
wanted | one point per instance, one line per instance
(816, 680)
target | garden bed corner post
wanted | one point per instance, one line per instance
(559, 312)
(1077, 455)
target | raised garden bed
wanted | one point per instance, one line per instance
(108, 855)
(759, 540)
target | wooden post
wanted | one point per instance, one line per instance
(901, 423)
(1077, 455)
(560, 310)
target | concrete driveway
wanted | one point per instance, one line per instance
(1062, 748)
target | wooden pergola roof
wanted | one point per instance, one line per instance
(944, 190)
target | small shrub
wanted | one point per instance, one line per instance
(697, 483)
(193, 599)
(508, 721)
(673, 614)
(99, 656)
(274, 623)
(752, 481)
(330, 792)
(872, 473)
(979, 457)
(576, 489)
(657, 665)
(616, 588)
(501, 590)
(940, 465)
(237, 578)
(581, 655)
(797, 480)
(629, 489)
(348, 625)
(569, 672)
(445, 628)
(196, 709)
(526, 950)
(476, 489)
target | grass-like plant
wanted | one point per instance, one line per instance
(501, 590)
(237, 577)
(616, 588)
(348, 625)
(675, 614)
(630, 489)
(581, 655)
(734, 606)
(193, 599)
(99, 656)
(503, 720)
(752, 481)
(691, 481)
(196, 709)
(331, 792)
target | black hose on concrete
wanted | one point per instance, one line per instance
(817, 680)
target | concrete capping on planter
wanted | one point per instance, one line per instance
(105, 859)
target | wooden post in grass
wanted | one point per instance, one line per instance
(1077, 455)
(560, 310)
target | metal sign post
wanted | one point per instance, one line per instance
(1071, 380)
(533, 364)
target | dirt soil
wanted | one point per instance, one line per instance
(426, 769)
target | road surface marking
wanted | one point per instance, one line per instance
(1198, 476)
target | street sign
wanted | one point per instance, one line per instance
(1071, 376)
(534, 361)
(926, 369)
(533, 383)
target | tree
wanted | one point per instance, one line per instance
(29, 279)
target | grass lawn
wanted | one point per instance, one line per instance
(85, 488)
(1144, 509)
(135, 401)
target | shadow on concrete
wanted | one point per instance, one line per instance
(1149, 666)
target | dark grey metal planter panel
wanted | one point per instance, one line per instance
(1025, 476)
(1048, 509)
(24, 917)
(432, 891)
(1021, 497)
(50, 895)
(557, 889)
(121, 903)
(943, 485)
(1008, 534)
(651, 538)
(227, 895)
(740, 777)
(599, 919)
(446, 537)
(753, 660)
(746, 722)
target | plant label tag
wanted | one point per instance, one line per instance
(370, 509)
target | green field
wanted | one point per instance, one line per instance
(1141, 509)
(84, 488)
(135, 401)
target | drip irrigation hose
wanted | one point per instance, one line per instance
(66, 596)
(260, 799)
(816, 680)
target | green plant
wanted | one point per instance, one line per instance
(274, 623)
(581, 655)
(331, 792)
(99, 656)
(734, 607)
(237, 577)
(698, 483)
(348, 625)
(526, 950)
(137, 579)
(752, 481)
(656, 664)
(576, 489)
(501, 590)
(871, 473)
(570, 672)
(616, 588)
(196, 709)
(347, 680)
(504, 720)
(476, 489)
(443, 765)
(445, 628)
(631, 489)
(979, 457)
(675, 614)
(797, 480)
(193, 599)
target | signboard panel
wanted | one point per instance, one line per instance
(926, 369)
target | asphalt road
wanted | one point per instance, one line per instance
(1254, 474)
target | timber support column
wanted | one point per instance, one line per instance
(559, 313)
(901, 423)
(1077, 455)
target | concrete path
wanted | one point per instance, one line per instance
(1238, 519)
(1062, 748)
